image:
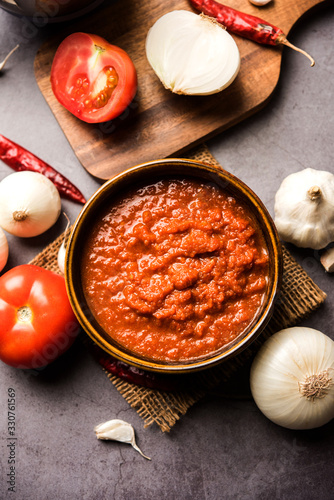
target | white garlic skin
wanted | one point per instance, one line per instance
(192, 54)
(3, 249)
(260, 3)
(300, 220)
(327, 260)
(118, 430)
(62, 249)
(61, 258)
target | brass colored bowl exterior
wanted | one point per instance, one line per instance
(151, 172)
(49, 11)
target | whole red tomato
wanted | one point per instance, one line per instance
(94, 80)
(37, 323)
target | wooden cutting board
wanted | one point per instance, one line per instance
(158, 123)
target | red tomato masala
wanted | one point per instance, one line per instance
(175, 270)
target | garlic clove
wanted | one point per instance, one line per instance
(118, 430)
(4, 251)
(192, 54)
(260, 3)
(327, 260)
(62, 250)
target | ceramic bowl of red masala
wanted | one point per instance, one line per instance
(173, 266)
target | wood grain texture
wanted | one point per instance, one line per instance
(159, 124)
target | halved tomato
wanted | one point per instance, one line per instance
(94, 80)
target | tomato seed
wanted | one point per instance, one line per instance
(82, 86)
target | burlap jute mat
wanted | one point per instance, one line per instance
(299, 296)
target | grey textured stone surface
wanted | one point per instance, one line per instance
(224, 448)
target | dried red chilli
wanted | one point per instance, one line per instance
(18, 158)
(246, 25)
(135, 375)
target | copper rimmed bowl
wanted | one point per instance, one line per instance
(149, 173)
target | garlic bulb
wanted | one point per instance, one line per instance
(292, 378)
(3, 249)
(192, 54)
(260, 3)
(118, 430)
(29, 203)
(304, 209)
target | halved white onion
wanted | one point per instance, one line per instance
(192, 54)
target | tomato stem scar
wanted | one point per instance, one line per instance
(24, 314)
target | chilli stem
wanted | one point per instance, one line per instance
(281, 39)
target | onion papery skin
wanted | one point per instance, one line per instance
(32, 196)
(281, 365)
(192, 54)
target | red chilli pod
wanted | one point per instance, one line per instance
(246, 25)
(18, 158)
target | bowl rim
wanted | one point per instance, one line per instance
(95, 202)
